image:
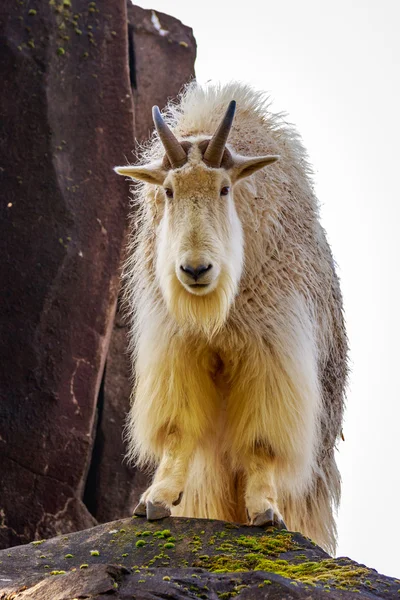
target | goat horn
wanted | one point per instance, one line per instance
(215, 149)
(176, 154)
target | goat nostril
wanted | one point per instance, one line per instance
(195, 272)
(189, 270)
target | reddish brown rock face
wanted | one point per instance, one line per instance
(68, 116)
(163, 51)
(67, 106)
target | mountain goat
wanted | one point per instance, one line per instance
(237, 327)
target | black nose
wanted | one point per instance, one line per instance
(195, 272)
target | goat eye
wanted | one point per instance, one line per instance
(225, 191)
(169, 193)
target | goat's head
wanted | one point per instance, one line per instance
(199, 238)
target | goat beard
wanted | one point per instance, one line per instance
(204, 314)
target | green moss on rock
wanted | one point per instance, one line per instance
(57, 572)
(329, 571)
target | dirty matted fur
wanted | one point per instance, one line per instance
(239, 392)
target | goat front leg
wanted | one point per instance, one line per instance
(169, 480)
(261, 492)
(273, 415)
(175, 404)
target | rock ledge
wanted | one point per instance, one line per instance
(183, 558)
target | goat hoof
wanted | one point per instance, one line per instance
(140, 510)
(178, 500)
(265, 518)
(269, 519)
(157, 511)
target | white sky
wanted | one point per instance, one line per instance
(334, 68)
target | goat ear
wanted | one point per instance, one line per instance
(152, 173)
(245, 166)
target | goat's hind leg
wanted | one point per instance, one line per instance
(167, 488)
(261, 492)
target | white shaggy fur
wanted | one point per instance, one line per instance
(239, 386)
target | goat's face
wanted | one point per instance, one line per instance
(199, 245)
(199, 237)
